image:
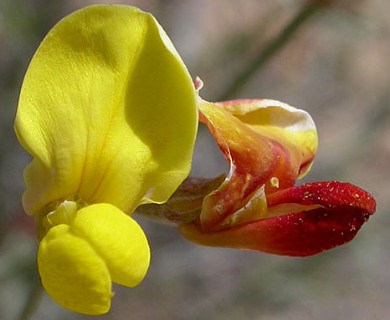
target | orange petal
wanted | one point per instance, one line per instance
(255, 160)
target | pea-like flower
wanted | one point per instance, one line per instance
(109, 114)
(269, 146)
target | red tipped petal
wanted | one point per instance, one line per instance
(333, 195)
(305, 233)
(297, 234)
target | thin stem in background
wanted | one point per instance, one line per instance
(284, 36)
(32, 300)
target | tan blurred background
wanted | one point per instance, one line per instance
(336, 67)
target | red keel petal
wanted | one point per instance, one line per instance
(330, 195)
(344, 209)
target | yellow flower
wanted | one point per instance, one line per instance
(108, 112)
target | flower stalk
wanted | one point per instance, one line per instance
(276, 44)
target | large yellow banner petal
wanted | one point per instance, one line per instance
(108, 111)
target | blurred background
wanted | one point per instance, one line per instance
(336, 66)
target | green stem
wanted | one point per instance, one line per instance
(259, 61)
(33, 299)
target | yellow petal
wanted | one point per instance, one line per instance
(293, 128)
(108, 111)
(72, 273)
(118, 239)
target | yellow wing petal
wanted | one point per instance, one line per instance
(118, 239)
(107, 110)
(72, 273)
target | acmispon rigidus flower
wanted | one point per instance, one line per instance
(269, 145)
(109, 114)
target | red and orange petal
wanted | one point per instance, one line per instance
(335, 213)
(254, 159)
